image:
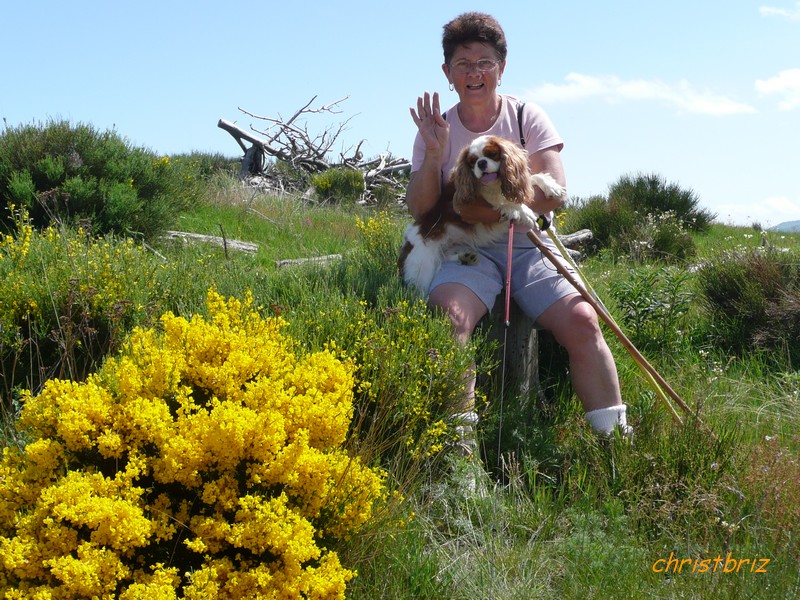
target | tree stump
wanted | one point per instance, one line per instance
(520, 356)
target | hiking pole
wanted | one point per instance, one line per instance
(650, 371)
(506, 322)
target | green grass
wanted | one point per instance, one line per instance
(283, 226)
(565, 515)
(280, 229)
(725, 237)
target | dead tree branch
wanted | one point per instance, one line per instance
(292, 142)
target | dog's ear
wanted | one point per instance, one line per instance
(515, 181)
(464, 181)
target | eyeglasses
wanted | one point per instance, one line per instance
(464, 66)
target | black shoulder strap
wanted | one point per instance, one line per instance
(520, 108)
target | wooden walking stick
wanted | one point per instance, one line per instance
(650, 372)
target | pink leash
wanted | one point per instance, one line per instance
(508, 271)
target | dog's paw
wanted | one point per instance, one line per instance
(550, 187)
(520, 214)
(468, 258)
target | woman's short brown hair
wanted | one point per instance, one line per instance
(473, 27)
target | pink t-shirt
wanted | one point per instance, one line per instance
(538, 129)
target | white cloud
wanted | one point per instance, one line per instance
(782, 205)
(786, 84)
(769, 211)
(681, 96)
(791, 14)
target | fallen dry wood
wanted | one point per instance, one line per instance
(314, 259)
(213, 239)
(571, 240)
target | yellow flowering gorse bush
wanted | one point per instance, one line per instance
(204, 461)
(14, 250)
(409, 379)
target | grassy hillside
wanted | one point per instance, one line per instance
(563, 514)
(567, 515)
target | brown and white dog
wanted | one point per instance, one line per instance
(493, 168)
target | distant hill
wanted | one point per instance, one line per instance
(787, 227)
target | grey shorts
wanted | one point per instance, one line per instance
(535, 282)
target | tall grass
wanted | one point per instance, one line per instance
(562, 514)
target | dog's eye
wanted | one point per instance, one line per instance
(492, 153)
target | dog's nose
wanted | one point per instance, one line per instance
(481, 164)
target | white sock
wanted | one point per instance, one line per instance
(466, 418)
(604, 420)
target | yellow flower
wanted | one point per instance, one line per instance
(210, 441)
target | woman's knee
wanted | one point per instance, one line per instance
(584, 319)
(576, 326)
(462, 306)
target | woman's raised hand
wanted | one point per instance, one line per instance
(433, 128)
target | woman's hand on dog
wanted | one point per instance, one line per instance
(479, 211)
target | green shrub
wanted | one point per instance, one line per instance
(64, 172)
(752, 300)
(650, 194)
(606, 221)
(643, 216)
(653, 303)
(339, 185)
(659, 237)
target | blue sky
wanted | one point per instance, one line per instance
(705, 93)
